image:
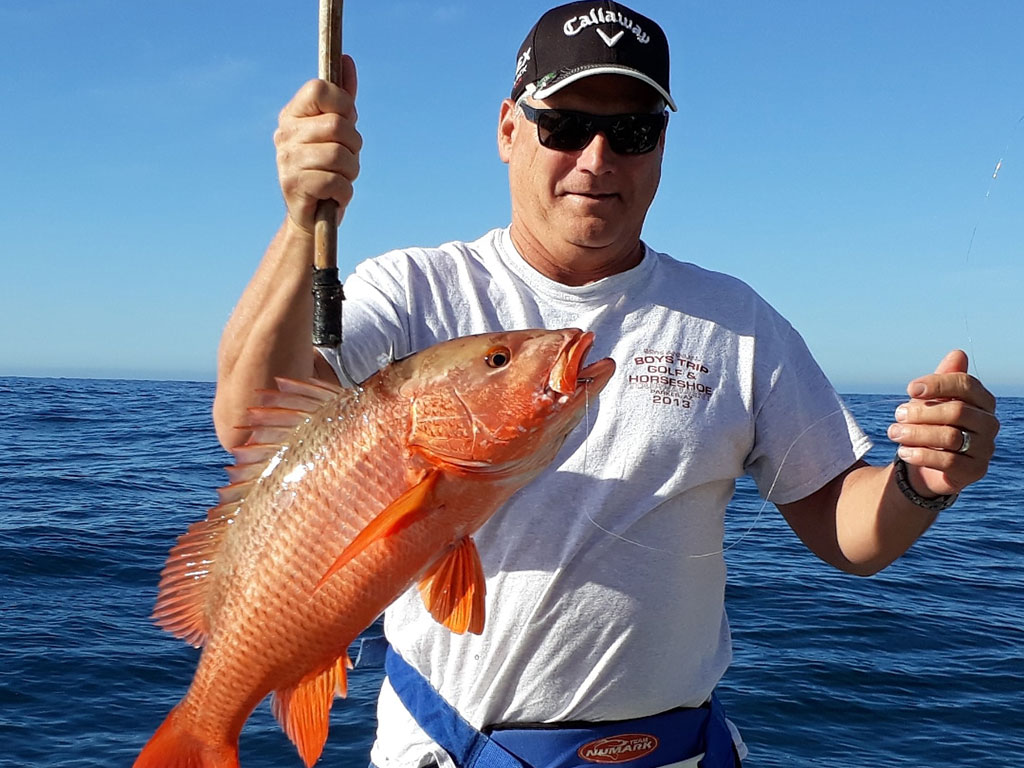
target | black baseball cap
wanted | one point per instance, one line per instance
(581, 39)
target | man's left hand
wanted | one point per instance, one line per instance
(948, 410)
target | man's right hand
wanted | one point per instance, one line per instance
(267, 335)
(318, 147)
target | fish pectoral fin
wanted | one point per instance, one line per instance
(411, 507)
(453, 590)
(304, 711)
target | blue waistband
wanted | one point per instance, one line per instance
(646, 742)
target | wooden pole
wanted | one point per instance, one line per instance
(327, 290)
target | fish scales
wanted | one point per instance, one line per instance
(366, 494)
(296, 526)
(301, 528)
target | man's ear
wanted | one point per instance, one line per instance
(506, 129)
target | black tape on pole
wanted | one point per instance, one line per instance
(327, 298)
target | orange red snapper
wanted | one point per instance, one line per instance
(338, 503)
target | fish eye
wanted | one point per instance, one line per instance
(498, 357)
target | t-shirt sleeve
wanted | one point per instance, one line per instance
(375, 323)
(804, 435)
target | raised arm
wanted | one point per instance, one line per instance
(862, 521)
(268, 333)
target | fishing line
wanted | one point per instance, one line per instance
(586, 414)
(970, 341)
(974, 231)
(890, 400)
(778, 474)
(764, 502)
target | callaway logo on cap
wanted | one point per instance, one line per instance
(591, 38)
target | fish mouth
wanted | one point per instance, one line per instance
(568, 374)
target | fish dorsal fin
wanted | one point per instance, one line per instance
(181, 606)
(453, 590)
(314, 389)
(254, 453)
(278, 411)
(233, 492)
(410, 507)
(304, 711)
(273, 419)
(181, 603)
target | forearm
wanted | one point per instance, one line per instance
(861, 521)
(875, 523)
(268, 333)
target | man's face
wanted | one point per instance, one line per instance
(592, 198)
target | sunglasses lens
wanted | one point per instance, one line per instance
(634, 134)
(564, 131)
(567, 131)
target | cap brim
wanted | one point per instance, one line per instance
(603, 69)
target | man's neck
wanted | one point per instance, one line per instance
(572, 264)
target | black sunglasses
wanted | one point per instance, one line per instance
(636, 133)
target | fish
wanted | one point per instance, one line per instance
(339, 502)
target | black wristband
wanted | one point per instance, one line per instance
(937, 504)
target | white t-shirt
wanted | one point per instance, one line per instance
(605, 578)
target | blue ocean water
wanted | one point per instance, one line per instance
(918, 666)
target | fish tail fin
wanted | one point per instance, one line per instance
(174, 746)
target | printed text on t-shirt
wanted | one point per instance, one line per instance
(672, 378)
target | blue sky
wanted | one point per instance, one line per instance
(837, 156)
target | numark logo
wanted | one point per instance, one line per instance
(618, 749)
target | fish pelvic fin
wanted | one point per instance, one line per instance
(174, 746)
(411, 507)
(304, 711)
(453, 590)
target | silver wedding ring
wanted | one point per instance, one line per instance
(966, 446)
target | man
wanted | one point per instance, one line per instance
(605, 581)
